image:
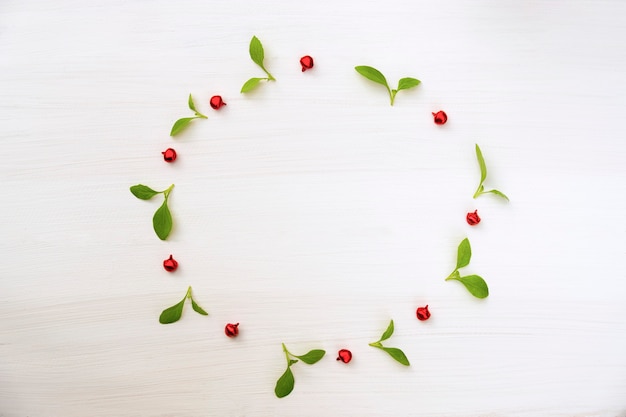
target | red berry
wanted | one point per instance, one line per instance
(344, 355)
(169, 155)
(306, 62)
(216, 102)
(170, 264)
(423, 313)
(231, 330)
(440, 117)
(472, 218)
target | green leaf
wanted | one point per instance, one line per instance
(312, 356)
(162, 221)
(180, 125)
(143, 192)
(496, 192)
(397, 354)
(292, 361)
(251, 84)
(256, 51)
(197, 308)
(173, 313)
(372, 74)
(406, 83)
(475, 285)
(192, 106)
(481, 163)
(285, 384)
(388, 332)
(464, 254)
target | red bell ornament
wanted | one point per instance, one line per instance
(231, 330)
(344, 355)
(169, 155)
(473, 218)
(423, 313)
(306, 62)
(440, 117)
(216, 102)
(170, 264)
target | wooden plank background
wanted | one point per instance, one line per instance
(311, 211)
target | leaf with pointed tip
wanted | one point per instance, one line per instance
(285, 384)
(251, 84)
(256, 51)
(312, 356)
(475, 285)
(397, 354)
(143, 192)
(481, 163)
(292, 361)
(197, 308)
(408, 82)
(173, 313)
(180, 125)
(388, 332)
(191, 104)
(372, 74)
(162, 221)
(498, 193)
(464, 254)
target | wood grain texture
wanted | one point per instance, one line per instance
(311, 211)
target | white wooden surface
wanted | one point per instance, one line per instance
(311, 211)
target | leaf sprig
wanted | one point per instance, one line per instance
(395, 353)
(374, 75)
(474, 284)
(162, 219)
(483, 175)
(172, 314)
(181, 124)
(286, 382)
(258, 56)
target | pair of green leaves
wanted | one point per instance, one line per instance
(286, 382)
(483, 175)
(395, 353)
(258, 56)
(374, 75)
(162, 219)
(173, 313)
(474, 284)
(181, 124)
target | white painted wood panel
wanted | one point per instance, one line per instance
(311, 211)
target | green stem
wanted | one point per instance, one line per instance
(200, 116)
(286, 354)
(270, 77)
(479, 190)
(392, 94)
(166, 193)
(376, 344)
(188, 295)
(453, 275)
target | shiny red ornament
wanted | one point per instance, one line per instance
(472, 218)
(170, 264)
(440, 117)
(306, 62)
(423, 313)
(231, 330)
(169, 155)
(216, 102)
(344, 355)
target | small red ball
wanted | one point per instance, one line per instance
(169, 155)
(440, 117)
(472, 218)
(216, 102)
(306, 62)
(344, 355)
(231, 330)
(170, 264)
(423, 313)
